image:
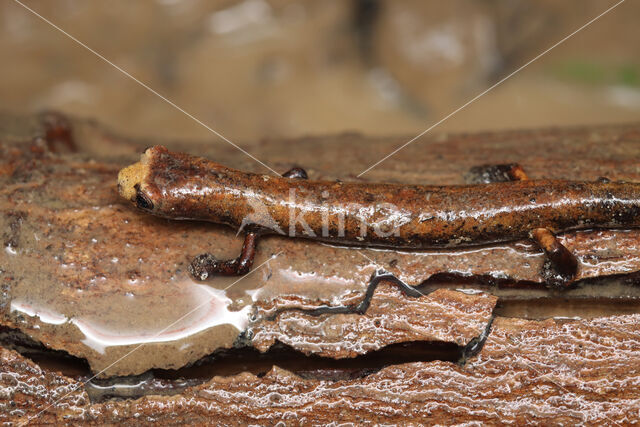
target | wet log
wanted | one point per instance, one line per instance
(83, 272)
(528, 372)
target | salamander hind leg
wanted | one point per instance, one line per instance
(487, 174)
(296, 173)
(561, 266)
(205, 265)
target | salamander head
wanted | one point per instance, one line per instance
(131, 181)
(176, 185)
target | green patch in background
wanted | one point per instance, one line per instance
(597, 73)
(629, 75)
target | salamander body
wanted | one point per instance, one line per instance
(180, 186)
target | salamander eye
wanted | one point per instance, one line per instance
(142, 200)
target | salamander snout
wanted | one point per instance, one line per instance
(130, 186)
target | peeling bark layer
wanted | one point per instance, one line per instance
(438, 316)
(548, 372)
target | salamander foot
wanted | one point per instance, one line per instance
(487, 174)
(561, 266)
(296, 173)
(206, 265)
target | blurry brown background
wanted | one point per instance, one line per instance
(269, 68)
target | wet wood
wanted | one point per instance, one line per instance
(391, 318)
(528, 372)
(84, 272)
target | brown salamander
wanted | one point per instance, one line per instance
(180, 186)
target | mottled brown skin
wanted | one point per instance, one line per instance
(564, 265)
(180, 186)
(487, 174)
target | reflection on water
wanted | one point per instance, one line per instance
(207, 308)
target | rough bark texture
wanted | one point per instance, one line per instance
(540, 372)
(438, 316)
(84, 272)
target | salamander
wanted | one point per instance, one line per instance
(504, 206)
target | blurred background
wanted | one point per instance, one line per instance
(254, 69)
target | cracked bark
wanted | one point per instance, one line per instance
(528, 371)
(77, 261)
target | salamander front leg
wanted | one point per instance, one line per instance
(206, 265)
(487, 174)
(296, 173)
(561, 266)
